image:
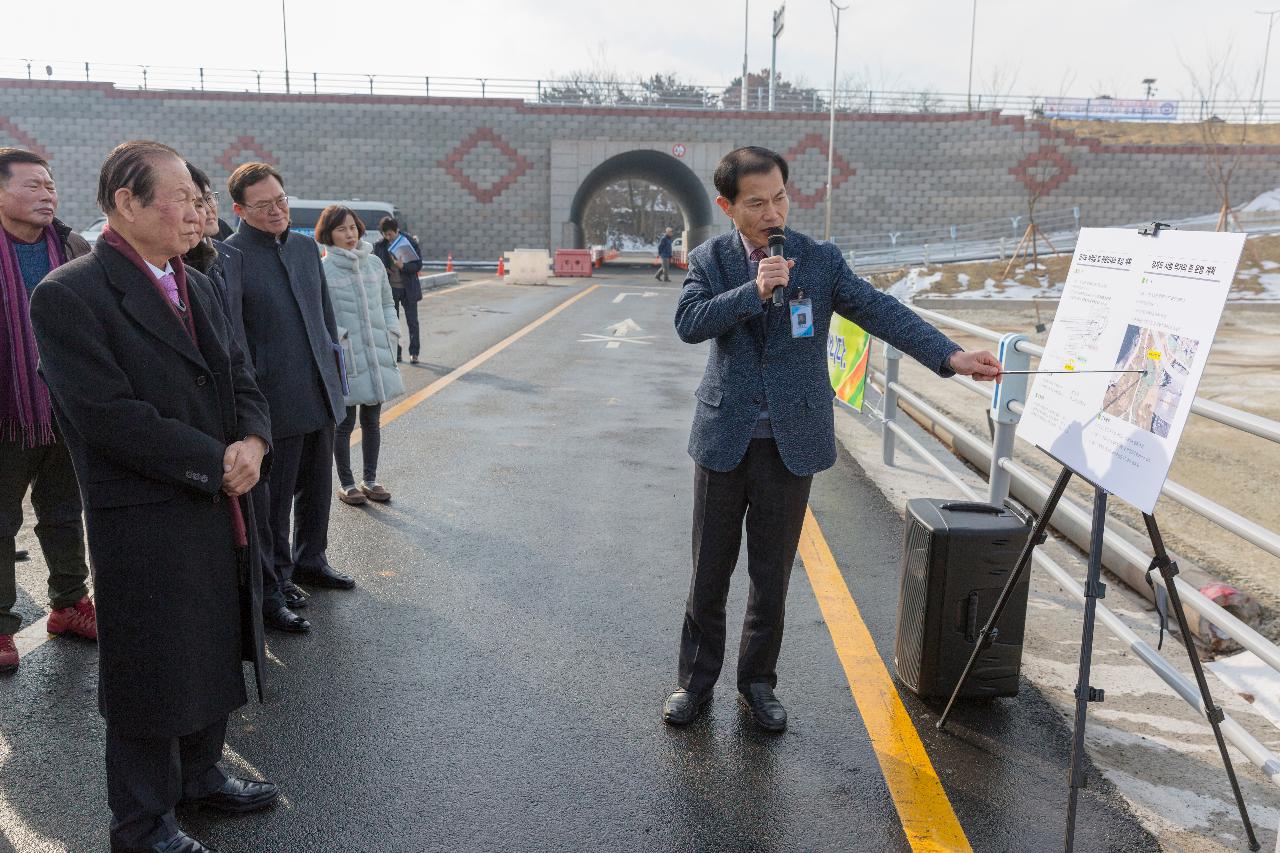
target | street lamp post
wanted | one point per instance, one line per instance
(973, 38)
(773, 63)
(284, 22)
(1262, 82)
(746, 21)
(831, 139)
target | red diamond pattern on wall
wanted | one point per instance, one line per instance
(453, 165)
(1043, 171)
(231, 158)
(841, 171)
(21, 138)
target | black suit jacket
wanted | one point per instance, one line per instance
(147, 416)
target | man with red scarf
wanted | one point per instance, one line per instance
(32, 454)
(167, 431)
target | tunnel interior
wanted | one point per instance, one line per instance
(657, 168)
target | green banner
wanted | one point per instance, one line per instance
(848, 351)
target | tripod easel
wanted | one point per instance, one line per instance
(1094, 589)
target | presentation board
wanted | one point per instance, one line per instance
(1131, 335)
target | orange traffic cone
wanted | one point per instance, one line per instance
(502, 269)
(448, 267)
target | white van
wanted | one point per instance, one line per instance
(304, 213)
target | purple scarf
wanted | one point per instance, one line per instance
(26, 414)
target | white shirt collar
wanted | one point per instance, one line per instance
(157, 272)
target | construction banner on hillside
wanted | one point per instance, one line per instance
(848, 352)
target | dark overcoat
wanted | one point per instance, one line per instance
(147, 417)
(754, 361)
(292, 335)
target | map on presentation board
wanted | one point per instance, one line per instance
(1138, 313)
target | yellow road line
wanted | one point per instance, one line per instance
(926, 813)
(418, 397)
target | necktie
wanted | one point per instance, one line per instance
(170, 285)
(758, 255)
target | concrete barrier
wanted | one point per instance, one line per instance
(528, 266)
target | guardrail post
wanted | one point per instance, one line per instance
(892, 362)
(1004, 419)
(1075, 211)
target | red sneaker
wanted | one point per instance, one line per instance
(80, 619)
(8, 653)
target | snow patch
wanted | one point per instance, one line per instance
(1269, 200)
(1255, 681)
(915, 282)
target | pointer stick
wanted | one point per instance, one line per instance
(1040, 372)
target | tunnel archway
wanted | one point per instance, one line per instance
(658, 168)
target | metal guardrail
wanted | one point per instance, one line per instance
(632, 93)
(1003, 471)
(990, 239)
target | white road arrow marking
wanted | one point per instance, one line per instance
(622, 333)
(624, 328)
(621, 296)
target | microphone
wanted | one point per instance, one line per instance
(776, 239)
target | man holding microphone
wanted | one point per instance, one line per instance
(764, 423)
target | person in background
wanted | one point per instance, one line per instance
(167, 431)
(288, 320)
(402, 271)
(33, 455)
(365, 311)
(223, 264)
(664, 256)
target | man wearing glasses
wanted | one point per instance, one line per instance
(292, 337)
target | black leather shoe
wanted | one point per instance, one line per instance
(683, 707)
(294, 598)
(325, 576)
(286, 620)
(237, 796)
(765, 708)
(180, 843)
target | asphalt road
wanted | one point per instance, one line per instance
(495, 680)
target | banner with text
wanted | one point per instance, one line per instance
(848, 351)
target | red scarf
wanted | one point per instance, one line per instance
(26, 414)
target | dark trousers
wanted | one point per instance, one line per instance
(370, 439)
(272, 590)
(55, 496)
(301, 481)
(410, 320)
(773, 500)
(146, 777)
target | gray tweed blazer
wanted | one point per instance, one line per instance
(754, 359)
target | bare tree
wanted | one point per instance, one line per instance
(1221, 137)
(998, 83)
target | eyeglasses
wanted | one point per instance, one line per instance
(281, 202)
(211, 197)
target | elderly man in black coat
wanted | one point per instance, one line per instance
(292, 336)
(167, 431)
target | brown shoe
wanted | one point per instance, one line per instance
(8, 653)
(79, 619)
(375, 492)
(351, 496)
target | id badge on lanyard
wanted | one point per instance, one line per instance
(801, 317)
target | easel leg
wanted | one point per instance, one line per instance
(1093, 590)
(986, 636)
(1168, 571)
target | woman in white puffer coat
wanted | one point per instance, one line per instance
(368, 332)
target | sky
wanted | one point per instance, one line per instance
(1031, 47)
